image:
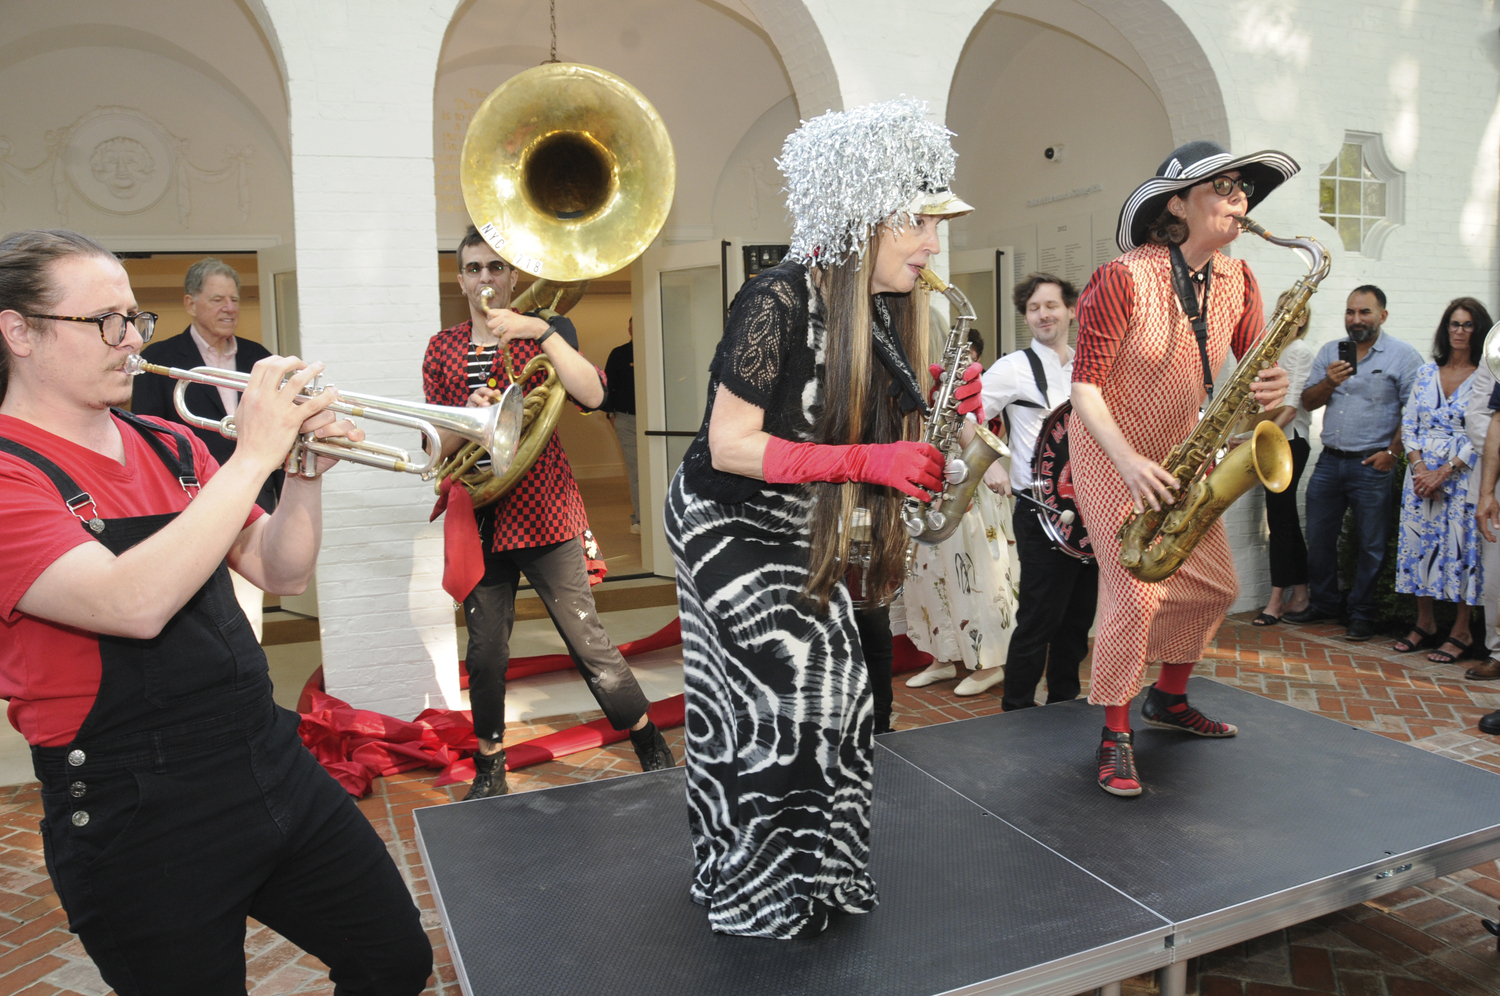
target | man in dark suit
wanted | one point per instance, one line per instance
(212, 300)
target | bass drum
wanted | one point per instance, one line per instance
(1052, 486)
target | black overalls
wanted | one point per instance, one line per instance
(187, 802)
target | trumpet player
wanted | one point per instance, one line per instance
(534, 529)
(178, 798)
(1153, 327)
(211, 297)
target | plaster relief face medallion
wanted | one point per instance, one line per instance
(119, 160)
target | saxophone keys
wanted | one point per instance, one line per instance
(936, 520)
(956, 472)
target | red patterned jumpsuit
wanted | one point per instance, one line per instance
(1137, 346)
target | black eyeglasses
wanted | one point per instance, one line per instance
(1460, 326)
(497, 267)
(1224, 185)
(112, 325)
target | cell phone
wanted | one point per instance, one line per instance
(1348, 352)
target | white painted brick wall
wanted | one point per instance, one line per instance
(360, 83)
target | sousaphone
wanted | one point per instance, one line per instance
(568, 173)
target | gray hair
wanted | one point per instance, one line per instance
(200, 271)
(26, 283)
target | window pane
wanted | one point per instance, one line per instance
(1349, 199)
(1349, 233)
(1325, 196)
(1364, 228)
(1332, 169)
(1375, 200)
(1351, 157)
(1330, 219)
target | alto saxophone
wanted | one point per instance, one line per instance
(964, 466)
(1153, 544)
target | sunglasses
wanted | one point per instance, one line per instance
(497, 267)
(1224, 185)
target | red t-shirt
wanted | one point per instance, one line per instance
(50, 672)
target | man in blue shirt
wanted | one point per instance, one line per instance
(1361, 436)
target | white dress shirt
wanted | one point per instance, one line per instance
(1010, 379)
(1297, 360)
(224, 360)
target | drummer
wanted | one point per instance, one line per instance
(1058, 590)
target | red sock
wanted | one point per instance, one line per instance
(1174, 678)
(1117, 718)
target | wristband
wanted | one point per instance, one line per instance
(543, 337)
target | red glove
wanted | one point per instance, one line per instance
(967, 392)
(913, 468)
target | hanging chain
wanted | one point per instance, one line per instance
(554, 34)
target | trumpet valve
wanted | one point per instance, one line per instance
(956, 472)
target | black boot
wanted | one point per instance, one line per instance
(651, 747)
(489, 776)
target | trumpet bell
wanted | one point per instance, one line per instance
(501, 435)
(568, 172)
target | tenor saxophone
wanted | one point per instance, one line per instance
(964, 466)
(1154, 544)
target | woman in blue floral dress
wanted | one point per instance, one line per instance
(1438, 556)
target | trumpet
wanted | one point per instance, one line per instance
(497, 428)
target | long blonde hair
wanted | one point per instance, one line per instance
(858, 408)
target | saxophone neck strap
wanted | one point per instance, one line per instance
(1183, 281)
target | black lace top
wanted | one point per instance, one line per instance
(771, 356)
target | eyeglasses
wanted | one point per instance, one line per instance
(497, 267)
(112, 325)
(1460, 326)
(1224, 185)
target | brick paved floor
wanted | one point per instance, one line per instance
(1425, 940)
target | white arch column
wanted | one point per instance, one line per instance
(359, 83)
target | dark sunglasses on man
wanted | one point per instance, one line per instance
(497, 268)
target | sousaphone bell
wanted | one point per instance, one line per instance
(568, 173)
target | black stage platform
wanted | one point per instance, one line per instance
(1001, 866)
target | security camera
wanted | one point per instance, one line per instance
(1053, 152)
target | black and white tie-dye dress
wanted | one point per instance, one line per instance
(779, 713)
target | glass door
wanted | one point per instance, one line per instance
(681, 304)
(987, 278)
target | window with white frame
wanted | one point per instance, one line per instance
(1361, 194)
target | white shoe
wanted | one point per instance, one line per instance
(979, 681)
(936, 671)
(635, 527)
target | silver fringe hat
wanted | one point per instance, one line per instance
(849, 171)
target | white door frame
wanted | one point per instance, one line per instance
(650, 383)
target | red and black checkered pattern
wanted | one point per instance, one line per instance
(545, 506)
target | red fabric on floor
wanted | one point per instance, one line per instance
(356, 746)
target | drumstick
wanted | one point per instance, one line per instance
(1065, 516)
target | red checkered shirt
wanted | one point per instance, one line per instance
(545, 506)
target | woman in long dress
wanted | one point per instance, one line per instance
(811, 415)
(1438, 556)
(961, 599)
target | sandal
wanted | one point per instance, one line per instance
(1116, 758)
(1406, 646)
(1441, 656)
(1265, 619)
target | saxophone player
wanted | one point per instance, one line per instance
(1154, 325)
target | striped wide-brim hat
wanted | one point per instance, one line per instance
(1189, 166)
